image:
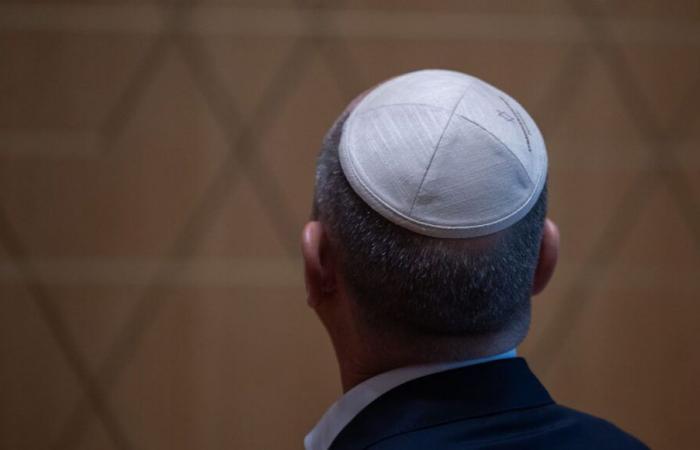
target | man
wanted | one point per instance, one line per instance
(428, 238)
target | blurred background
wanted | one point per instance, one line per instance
(156, 168)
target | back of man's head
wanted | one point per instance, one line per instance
(431, 193)
(421, 284)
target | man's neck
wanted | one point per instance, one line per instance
(373, 358)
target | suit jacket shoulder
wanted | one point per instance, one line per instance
(496, 405)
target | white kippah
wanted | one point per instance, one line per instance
(444, 154)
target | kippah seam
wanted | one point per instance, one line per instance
(435, 150)
(497, 139)
(361, 113)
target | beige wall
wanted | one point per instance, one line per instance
(156, 166)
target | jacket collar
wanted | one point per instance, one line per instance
(462, 393)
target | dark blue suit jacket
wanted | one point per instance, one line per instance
(496, 405)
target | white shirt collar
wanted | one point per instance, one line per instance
(360, 396)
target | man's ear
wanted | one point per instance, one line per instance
(549, 254)
(319, 274)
